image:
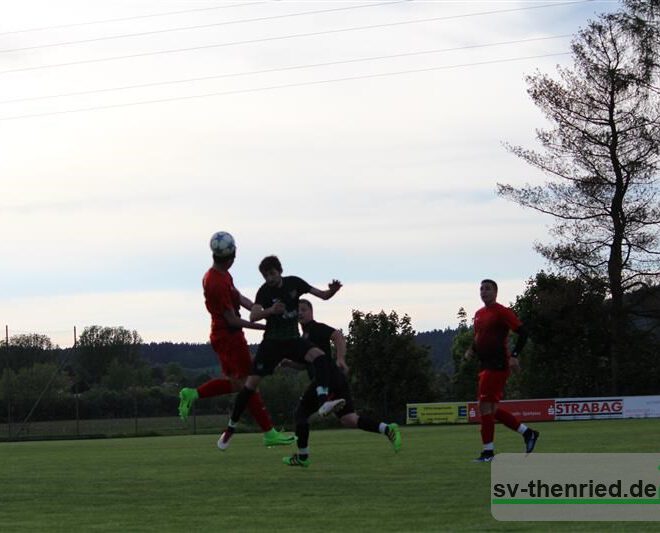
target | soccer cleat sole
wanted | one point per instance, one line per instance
(336, 405)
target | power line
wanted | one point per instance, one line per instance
(291, 36)
(284, 86)
(199, 26)
(136, 17)
(283, 69)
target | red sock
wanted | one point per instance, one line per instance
(215, 387)
(507, 419)
(258, 411)
(487, 428)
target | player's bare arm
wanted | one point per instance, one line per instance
(246, 303)
(234, 321)
(333, 288)
(258, 312)
(339, 341)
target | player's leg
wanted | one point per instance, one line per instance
(223, 348)
(350, 419)
(489, 391)
(487, 430)
(322, 368)
(391, 431)
(269, 354)
(240, 404)
(307, 405)
(241, 366)
(530, 436)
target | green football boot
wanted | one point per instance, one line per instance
(393, 433)
(295, 460)
(187, 397)
(273, 437)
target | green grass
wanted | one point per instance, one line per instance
(355, 483)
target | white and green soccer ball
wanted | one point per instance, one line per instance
(222, 244)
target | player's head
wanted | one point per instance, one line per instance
(488, 291)
(305, 311)
(271, 269)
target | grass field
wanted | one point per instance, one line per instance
(355, 483)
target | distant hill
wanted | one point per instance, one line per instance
(197, 356)
(439, 341)
(184, 354)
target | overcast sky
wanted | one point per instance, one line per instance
(316, 131)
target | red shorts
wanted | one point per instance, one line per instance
(233, 353)
(491, 385)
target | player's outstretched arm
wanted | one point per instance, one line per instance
(333, 288)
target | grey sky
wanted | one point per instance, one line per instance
(385, 182)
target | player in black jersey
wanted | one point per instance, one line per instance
(277, 302)
(323, 336)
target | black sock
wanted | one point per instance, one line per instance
(302, 432)
(240, 403)
(367, 424)
(322, 368)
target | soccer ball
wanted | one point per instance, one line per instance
(222, 244)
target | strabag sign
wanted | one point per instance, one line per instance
(588, 408)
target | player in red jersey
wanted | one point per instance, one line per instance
(223, 302)
(492, 324)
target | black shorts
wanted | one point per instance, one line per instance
(271, 352)
(309, 401)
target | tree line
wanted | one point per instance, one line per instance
(593, 318)
(112, 373)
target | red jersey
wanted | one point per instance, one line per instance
(492, 325)
(220, 295)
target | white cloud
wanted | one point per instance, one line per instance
(381, 180)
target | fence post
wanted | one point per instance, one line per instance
(75, 390)
(135, 411)
(8, 391)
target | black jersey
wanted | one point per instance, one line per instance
(319, 335)
(284, 326)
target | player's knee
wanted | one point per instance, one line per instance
(487, 408)
(313, 353)
(237, 383)
(349, 421)
(252, 382)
